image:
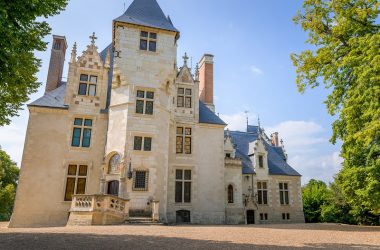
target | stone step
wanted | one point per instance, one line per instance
(141, 221)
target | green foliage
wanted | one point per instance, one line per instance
(9, 173)
(347, 60)
(20, 36)
(314, 195)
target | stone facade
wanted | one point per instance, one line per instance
(147, 134)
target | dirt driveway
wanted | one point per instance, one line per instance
(296, 236)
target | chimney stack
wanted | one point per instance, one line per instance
(57, 60)
(206, 81)
(274, 138)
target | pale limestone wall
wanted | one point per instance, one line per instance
(47, 154)
(207, 164)
(235, 210)
(149, 71)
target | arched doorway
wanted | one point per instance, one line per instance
(113, 188)
(250, 216)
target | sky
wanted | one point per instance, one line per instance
(251, 40)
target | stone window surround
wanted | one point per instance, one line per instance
(194, 189)
(184, 96)
(148, 40)
(146, 189)
(285, 216)
(183, 169)
(233, 195)
(154, 100)
(72, 126)
(184, 126)
(288, 191)
(262, 189)
(65, 168)
(143, 135)
(263, 216)
(89, 73)
(143, 141)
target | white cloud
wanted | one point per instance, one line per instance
(299, 134)
(255, 70)
(238, 121)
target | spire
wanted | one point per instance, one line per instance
(196, 73)
(147, 13)
(73, 53)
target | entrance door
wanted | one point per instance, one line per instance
(113, 188)
(250, 217)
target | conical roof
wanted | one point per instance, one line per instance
(147, 13)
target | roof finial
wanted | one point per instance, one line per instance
(93, 38)
(73, 53)
(197, 72)
(246, 116)
(185, 58)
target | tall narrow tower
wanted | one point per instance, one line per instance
(57, 60)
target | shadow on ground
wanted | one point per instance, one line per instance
(95, 241)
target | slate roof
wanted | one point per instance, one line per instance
(207, 116)
(52, 99)
(147, 13)
(276, 157)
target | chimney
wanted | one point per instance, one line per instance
(274, 138)
(206, 81)
(57, 60)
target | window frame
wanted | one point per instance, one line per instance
(230, 194)
(184, 198)
(261, 160)
(262, 192)
(184, 96)
(87, 83)
(150, 39)
(284, 193)
(263, 216)
(76, 177)
(146, 181)
(145, 100)
(143, 143)
(84, 130)
(185, 140)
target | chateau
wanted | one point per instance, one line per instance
(132, 135)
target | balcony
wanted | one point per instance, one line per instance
(87, 210)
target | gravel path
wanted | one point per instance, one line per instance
(295, 236)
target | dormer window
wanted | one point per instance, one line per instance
(148, 41)
(184, 98)
(87, 85)
(261, 161)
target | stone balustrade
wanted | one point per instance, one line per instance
(98, 209)
(233, 162)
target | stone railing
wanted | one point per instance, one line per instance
(234, 162)
(100, 203)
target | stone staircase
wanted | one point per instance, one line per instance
(140, 217)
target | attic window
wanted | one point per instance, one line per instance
(87, 85)
(184, 98)
(148, 41)
(261, 161)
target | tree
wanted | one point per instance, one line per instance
(20, 36)
(346, 59)
(9, 173)
(314, 195)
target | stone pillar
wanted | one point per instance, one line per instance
(122, 187)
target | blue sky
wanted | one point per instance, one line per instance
(252, 41)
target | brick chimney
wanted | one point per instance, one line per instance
(206, 80)
(57, 60)
(274, 138)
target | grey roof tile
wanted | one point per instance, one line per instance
(147, 13)
(207, 116)
(276, 158)
(52, 99)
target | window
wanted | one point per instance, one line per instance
(230, 194)
(262, 193)
(285, 216)
(138, 143)
(261, 161)
(263, 216)
(183, 140)
(76, 181)
(81, 133)
(140, 180)
(57, 45)
(228, 155)
(148, 41)
(87, 85)
(184, 97)
(284, 193)
(182, 216)
(182, 186)
(144, 102)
